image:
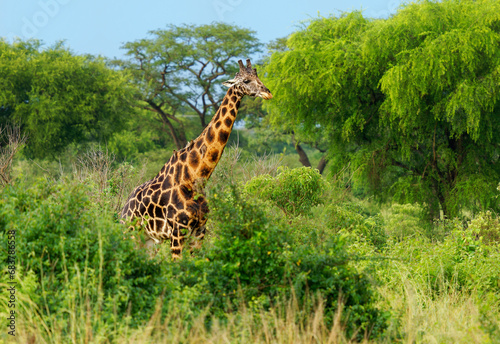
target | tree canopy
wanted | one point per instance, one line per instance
(58, 98)
(178, 70)
(411, 102)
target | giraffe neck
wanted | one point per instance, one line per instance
(212, 141)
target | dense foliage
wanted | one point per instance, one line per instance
(59, 98)
(255, 258)
(79, 271)
(73, 252)
(77, 253)
(295, 191)
(412, 100)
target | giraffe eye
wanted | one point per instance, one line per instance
(246, 81)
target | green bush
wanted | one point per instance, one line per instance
(77, 253)
(353, 218)
(295, 191)
(462, 261)
(486, 227)
(256, 260)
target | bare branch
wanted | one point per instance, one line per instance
(14, 140)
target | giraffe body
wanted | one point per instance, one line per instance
(172, 205)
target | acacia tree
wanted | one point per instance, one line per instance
(178, 70)
(58, 98)
(411, 101)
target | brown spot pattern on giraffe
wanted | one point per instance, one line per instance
(210, 135)
(223, 136)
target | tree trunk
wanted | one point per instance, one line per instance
(322, 164)
(178, 136)
(438, 204)
(304, 160)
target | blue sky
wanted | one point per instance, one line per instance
(100, 27)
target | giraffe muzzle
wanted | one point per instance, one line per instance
(266, 95)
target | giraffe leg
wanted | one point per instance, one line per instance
(176, 242)
(176, 246)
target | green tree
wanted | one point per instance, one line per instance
(178, 71)
(411, 101)
(59, 98)
(256, 118)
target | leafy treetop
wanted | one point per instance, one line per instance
(59, 98)
(411, 101)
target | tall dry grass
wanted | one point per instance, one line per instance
(420, 315)
(112, 183)
(278, 325)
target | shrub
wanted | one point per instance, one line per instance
(351, 217)
(11, 141)
(462, 261)
(77, 253)
(486, 227)
(295, 191)
(256, 260)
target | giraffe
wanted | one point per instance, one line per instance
(172, 205)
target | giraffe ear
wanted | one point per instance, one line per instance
(229, 83)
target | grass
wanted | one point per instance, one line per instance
(452, 317)
(279, 325)
(421, 316)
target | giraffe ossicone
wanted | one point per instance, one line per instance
(172, 205)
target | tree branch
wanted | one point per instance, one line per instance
(157, 108)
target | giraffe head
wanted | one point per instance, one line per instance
(248, 83)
